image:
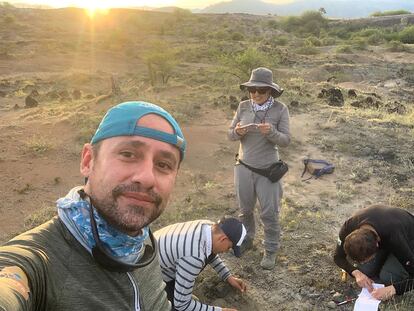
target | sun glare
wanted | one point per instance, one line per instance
(94, 7)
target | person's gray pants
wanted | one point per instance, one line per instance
(251, 187)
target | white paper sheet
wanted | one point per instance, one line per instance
(366, 302)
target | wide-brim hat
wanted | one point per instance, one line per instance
(262, 77)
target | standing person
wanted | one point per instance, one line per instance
(268, 128)
(380, 241)
(99, 253)
(186, 248)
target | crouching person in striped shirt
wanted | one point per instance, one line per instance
(186, 248)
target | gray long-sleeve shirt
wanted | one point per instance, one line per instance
(63, 276)
(256, 149)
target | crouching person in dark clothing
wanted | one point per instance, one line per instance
(377, 245)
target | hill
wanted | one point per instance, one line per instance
(334, 8)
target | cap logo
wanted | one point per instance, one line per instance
(180, 142)
(242, 236)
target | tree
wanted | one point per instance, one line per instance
(242, 63)
(161, 61)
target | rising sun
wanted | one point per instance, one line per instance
(96, 6)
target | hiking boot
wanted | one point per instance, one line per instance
(246, 245)
(268, 261)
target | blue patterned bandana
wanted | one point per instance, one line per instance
(74, 213)
(263, 107)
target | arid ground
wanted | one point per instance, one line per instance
(74, 68)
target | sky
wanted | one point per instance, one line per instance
(188, 4)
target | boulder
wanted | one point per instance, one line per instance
(76, 94)
(333, 96)
(52, 95)
(367, 102)
(294, 103)
(396, 107)
(34, 93)
(30, 102)
(64, 94)
(352, 93)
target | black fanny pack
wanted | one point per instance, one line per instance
(274, 172)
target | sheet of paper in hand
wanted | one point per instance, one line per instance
(251, 127)
(366, 302)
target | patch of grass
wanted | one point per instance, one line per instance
(38, 145)
(404, 199)
(345, 192)
(307, 49)
(39, 217)
(360, 172)
(25, 189)
(185, 112)
(86, 125)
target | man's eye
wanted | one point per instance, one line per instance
(127, 154)
(165, 165)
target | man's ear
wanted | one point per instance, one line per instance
(86, 160)
(222, 237)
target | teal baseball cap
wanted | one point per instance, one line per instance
(122, 119)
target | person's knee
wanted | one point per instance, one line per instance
(269, 214)
(388, 277)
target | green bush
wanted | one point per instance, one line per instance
(9, 19)
(328, 41)
(312, 41)
(309, 23)
(280, 41)
(273, 24)
(219, 35)
(347, 49)
(407, 35)
(366, 32)
(396, 46)
(359, 43)
(237, 36)
(390, 13)
(375, 39)
(392, 36)
(371, 36)
(161, 61)
(241, 64)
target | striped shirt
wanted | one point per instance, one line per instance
(184, 251)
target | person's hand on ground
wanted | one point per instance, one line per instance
(362, 280)
(384, 293)
(265, 128)
(237, 283)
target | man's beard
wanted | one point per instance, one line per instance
(129, 218)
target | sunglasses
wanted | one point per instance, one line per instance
(260, 90)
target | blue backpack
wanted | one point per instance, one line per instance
(327, 168)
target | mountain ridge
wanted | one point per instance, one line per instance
(333, 8)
